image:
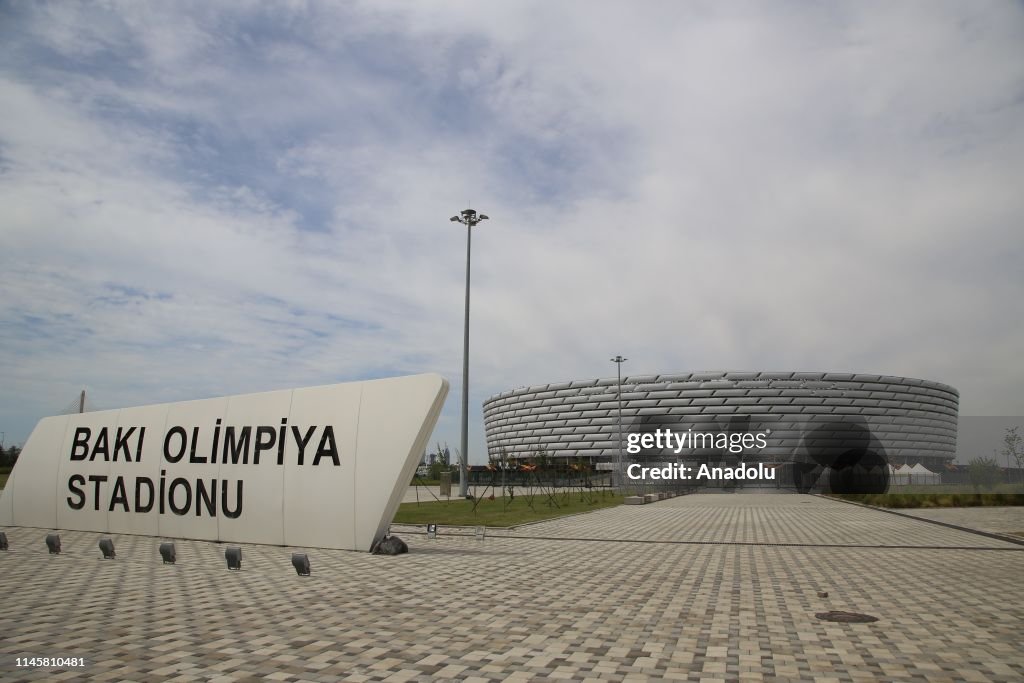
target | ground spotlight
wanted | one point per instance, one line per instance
(301, 563)
(53, 543)
(167, 552)
(107, 548)
(234, 558)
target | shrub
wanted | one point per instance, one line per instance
(984, 472)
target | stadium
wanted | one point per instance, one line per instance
(808, 417)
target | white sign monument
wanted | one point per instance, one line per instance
(322, 467)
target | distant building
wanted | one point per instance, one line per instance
(911, 420)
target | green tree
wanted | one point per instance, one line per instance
(435, 471)
(441, 463)
(983, 472)
(542, 461)
(1013, 447)
(9, 456)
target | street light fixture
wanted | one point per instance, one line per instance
(469, 218)
(619, 360)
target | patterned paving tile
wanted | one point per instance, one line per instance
(1000, 520)
(754, 518)
(540, 604)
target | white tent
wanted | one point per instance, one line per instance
(899, 475)
(919, 474)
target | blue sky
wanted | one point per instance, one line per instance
(203, 199)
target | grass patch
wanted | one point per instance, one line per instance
(499, 513)
(934, 500)
(1015, 487)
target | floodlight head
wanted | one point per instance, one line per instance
(484, 217)
(301, 563)
(234, 558)
(53, 543)
(107, 548)
(167, 552)
(469, 214)
(454, 219)
(3, 541)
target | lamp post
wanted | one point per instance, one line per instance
(619, 360)
(469, 218)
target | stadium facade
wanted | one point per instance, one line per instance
(903, 419)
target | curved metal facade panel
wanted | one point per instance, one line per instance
(915, 420)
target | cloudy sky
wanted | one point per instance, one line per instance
(200, 199)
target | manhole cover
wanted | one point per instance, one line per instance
(846, 617)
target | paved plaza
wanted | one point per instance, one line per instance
(998, 520)
(702, 587)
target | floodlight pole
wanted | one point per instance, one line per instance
(469, 218)
(619, 360)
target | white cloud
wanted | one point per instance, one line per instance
(203, 200)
